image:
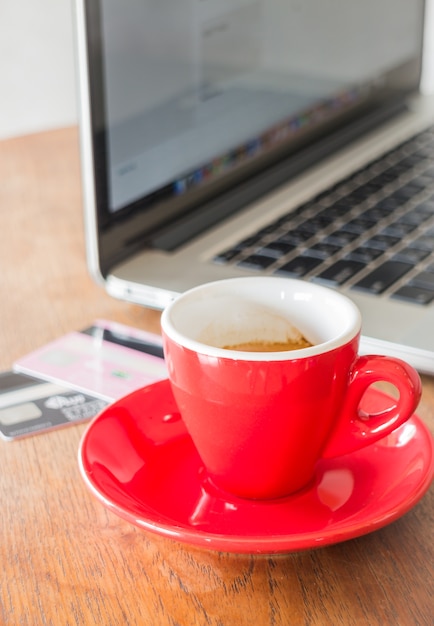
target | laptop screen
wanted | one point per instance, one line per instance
(190, 98)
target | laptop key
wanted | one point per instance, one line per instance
(335, 211)
(295, 237)
(389, 175)
(316, 223)
(424, 242)
(426, 207)
(377, 212)
(425, 280)
(360, 224)
(365, 254)
(341, 271)
(342, 237)
(227, 255)
(424, 181)
(415, 216)
(408, 191)
(299, 266)
(382, 241)
(383, 276)
(249, 241)
(276, 249)
(256, 262)
(411, 255)
(324, 250)
(391, 203)
(398, 229)
(231, 253)
(266, 230)
(412, 293)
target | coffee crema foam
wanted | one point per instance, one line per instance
(271, 346)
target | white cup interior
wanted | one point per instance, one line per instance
(271, 309)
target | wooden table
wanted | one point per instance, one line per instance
(64, 559)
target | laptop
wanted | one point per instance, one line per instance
(232, 138)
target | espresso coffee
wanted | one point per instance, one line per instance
(271, 346)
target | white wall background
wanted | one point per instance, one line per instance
(37, 76)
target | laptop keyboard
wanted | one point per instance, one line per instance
(373, 231)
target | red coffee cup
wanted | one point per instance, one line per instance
(261, 420)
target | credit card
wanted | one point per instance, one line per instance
(30, 405)
(108, 360)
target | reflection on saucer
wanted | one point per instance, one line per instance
(207, 507)
(336, 488)
(401, 436)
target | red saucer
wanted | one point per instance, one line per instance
(138, 460)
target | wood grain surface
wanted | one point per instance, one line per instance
(64, 559)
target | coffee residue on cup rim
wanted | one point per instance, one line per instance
(258, 345)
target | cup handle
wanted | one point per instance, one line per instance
(357, 429)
